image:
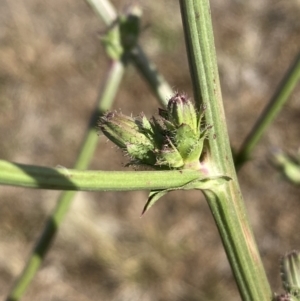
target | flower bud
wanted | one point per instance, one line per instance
(174, 139)
(290, 273)
(126, 133)
(182, 111)
(119, 128)
(283, 297)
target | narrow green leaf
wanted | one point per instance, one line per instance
(154, 196)
(205, 183)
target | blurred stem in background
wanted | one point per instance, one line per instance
(276, 103)
(226, 202)
(288, 165)
(105, 100)
(104, 10)
(147, 69)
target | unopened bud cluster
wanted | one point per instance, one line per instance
(172, 140)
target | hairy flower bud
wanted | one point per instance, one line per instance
(290, 273)
(284, 297)
(174, 139)
(182, 111)
(128, 134)
(119, 128)
(188, 134)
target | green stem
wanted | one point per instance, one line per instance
(31, 176)
(147, 69)
(69, 179)
(288, 165)
(104, 10)
(226, 202)
(276, 103)
(155, 80)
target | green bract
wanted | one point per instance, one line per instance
(172, 140)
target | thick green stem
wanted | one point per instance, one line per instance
(30, 176)
(226, 202)
(276, 103)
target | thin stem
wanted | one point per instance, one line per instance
(155, 80)
(288, 165)
(147, 69)
(31, 176)
(104, 10)
(276, 103)
(226, 202)
(70, 179)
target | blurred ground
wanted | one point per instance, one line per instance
(51, 66)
